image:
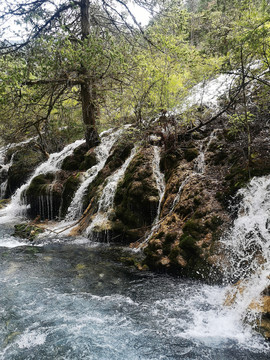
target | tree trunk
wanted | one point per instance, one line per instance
(88, 88)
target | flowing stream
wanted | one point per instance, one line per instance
(73, 300)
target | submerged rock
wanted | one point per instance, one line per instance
(27, 231)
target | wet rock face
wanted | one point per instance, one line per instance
(49, 195)
(119, 153)
(25, 159)
(136, 198)
(44, 197)
(196, 206)
(82, 159)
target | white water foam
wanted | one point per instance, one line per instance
(105, 203)
(102, 151)
(248, 247)
(161, 185)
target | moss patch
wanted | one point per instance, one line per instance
(27, 231)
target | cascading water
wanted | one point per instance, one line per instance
(198, 169)
(160, 181)
(199, 166)
(247, 246)
(17, 206)
(208, 92)
(4, 172)
(108, 139)
(105, 203)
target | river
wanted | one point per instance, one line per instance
(73, 299)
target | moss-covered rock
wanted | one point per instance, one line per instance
(27, 231)
(25, 159)
(44, 197)
(82, 159)
(69, 188)
(136, 198)
(119, 154)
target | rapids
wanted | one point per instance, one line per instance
(74, 300)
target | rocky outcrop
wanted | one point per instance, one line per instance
(136, 199)
(199, 198)
(44, 195)
(25, 159)
(82, 159)
(203, 172)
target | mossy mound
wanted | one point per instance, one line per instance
(49, 195)
(69, 188)
(25, 159)
(82, 159)
(136, 198)
(183, 244)
(44, 197)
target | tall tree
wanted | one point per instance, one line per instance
(79, 24)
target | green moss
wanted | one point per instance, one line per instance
(188, 245)
(39, 184)
(25, 160)
(193, 228)
(115, 160)
(170, 237)
(214, 223)
(160, 235)
(169, 161)
(71, 185)
(175, 252)
(190, 154)
(88, 161)
(27, 231)
(136, 198)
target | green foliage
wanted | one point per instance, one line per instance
(239, 122)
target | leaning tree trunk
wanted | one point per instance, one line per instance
(88, 88)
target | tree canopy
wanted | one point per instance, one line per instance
(92, 60)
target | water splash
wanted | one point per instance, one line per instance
(105, 204)
(247, 245)
(102, 151)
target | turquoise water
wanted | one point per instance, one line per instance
(75, 300)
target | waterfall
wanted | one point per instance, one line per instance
(4, 172)
(3, 188)
(102, 151)
(199, 166)
(160, 181)
(105, 204)
(247, 246)
(17, 206)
